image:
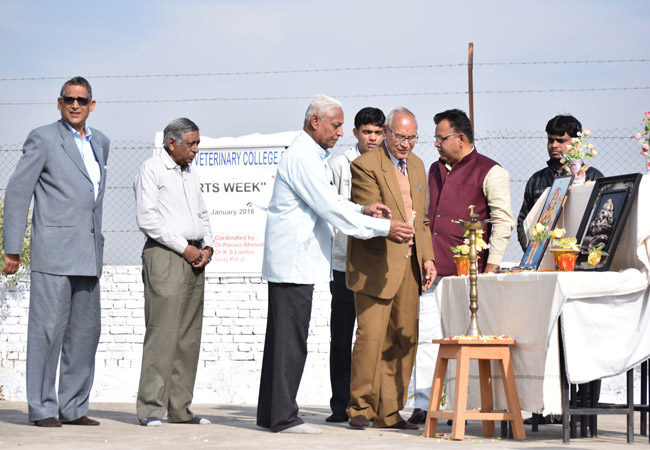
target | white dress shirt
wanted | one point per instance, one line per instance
(298, 239)
(88, 156)
(169, 205)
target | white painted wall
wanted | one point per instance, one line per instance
(234, 325)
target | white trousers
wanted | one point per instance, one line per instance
(430, 327)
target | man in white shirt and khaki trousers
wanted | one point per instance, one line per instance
(171, 213)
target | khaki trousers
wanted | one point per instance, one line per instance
(384, 351)
(173, 304)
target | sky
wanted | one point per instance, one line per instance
(132, 51)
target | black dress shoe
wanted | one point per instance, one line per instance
(48, 422)
(337, 417)
(404, 425)
(83, 420)
(419, 416)
(358, 422)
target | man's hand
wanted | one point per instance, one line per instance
(490, 268)
(12, 262)
(429, 274)
(400, 231)
(192, 255)
(377, 210)
(206, 257)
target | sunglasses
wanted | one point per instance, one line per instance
(83, 101)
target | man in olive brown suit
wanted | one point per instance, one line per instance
(387, 277)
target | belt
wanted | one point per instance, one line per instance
(195, 243)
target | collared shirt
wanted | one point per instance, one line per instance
(342, 178)
(397, 161)
(168, 202)
(87, 154)
(496, 188)
(298, 238)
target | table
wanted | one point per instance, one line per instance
(602, 313)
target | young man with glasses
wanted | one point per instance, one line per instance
(368, 130)
(63, 168)
(461, 177)
(560, 129)
(387, 277)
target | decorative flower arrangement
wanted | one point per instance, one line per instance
(559, 241)
(595, 254)
(578, 149)
(541, 232)
(644, 137)
(463, 249)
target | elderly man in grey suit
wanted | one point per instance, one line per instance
(64, 168)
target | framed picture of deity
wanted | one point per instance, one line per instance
(604, 219)
(548, 217)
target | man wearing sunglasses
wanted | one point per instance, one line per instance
(63, 168)
(387, 277)
(461, 177)
(559, 130)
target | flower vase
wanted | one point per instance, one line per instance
(565, 259)
(578, 175)
(462, 264)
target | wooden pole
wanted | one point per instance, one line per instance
(470, 81)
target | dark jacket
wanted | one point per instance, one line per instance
(535, 187)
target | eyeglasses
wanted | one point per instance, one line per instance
(83, 101)
(400, 138)
(439, 139)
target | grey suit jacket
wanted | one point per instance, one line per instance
(67, 220)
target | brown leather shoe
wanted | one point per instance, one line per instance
(419, 416)
(358, 422)
(83, 420)
(48, 422)
(404, 425)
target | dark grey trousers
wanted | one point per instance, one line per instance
(285, 352)
(65, 320)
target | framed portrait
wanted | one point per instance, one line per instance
(605, 218)
(549, 216)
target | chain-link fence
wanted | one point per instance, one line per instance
(521, 153)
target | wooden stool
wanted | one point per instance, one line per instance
(462, 350)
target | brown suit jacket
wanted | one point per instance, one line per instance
(375, 267)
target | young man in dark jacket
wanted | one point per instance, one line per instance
(560, 129)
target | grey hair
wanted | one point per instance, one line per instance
(396, 111)
(77, 81)
(176, 130)
(320, 105)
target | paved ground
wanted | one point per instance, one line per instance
(234, 428)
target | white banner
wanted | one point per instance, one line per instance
(237, 177)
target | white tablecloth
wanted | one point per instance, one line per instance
(606, 321)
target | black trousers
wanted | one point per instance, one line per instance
(285, 352)
(342, 320)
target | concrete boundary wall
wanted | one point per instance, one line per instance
(234, 326)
